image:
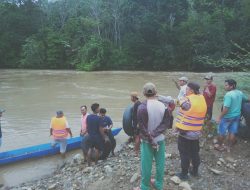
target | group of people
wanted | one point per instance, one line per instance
(150, 119)
(194, 108)
(95, 132)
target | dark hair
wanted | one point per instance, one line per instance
(195, 87)
(59, 113)
(103, 110)
(231, 82)
(83, 107)
(149, 95)
(94, 106)
(135, 97)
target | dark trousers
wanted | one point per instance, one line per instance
(189, 152)
(112, 140)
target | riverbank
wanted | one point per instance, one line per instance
(218, 170)
(34, 90)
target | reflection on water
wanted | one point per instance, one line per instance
(31, 98)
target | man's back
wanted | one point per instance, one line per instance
(59, 127)
(93, 124)
(156, 112)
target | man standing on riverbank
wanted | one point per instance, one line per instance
(209, 94)
(84, 115)
(96, 132)
(1, 113)
(181, 85)
(83, 132)
(189, 123)
(229, 117)
(107, 125)
(151, 123)
(59, 129)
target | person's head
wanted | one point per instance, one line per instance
(59, 114)
(103, 111)
(134, 96)
(95, 107)
(149, 90)
(192, 88)
(182, 81)
(208, 79)
(230, 84)
(1, 112)
(83, 109)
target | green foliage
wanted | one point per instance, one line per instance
(47, 49)
(192, 35)
(33, 54)
(94, 55)
(240, 62)
(17, 23)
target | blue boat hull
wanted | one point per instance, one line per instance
(41, 150)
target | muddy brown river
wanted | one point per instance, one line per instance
(31, 98)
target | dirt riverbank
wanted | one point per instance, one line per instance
(218, 170)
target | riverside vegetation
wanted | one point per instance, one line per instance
(190, 35)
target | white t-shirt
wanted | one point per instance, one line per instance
(182, 92)
(156, 112)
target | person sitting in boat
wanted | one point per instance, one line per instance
(107, 125)
(83, 132)
(59, 130)
(95, 132)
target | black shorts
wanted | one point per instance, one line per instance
(96, 142)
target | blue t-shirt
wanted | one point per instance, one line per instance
(93, 125)
(106, 121)
(233, 100)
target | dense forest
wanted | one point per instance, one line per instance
(190, 35)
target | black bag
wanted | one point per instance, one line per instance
(170, 119)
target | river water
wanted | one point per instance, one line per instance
(31, 98)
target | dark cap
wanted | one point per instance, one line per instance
(59, 113)
(194, 86)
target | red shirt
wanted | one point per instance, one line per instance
(210, 97)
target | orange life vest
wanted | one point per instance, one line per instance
(59, 127)
(192, 119)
